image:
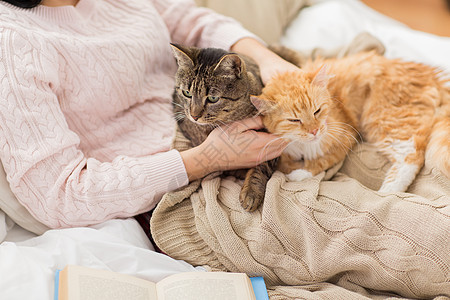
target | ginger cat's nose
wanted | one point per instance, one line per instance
(314, 131)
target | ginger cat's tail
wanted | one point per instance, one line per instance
(438, 149)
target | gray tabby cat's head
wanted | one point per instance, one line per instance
(213, 85)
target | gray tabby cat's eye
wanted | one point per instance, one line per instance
(213, 99)
(187, 93)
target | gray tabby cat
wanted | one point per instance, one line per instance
(213, 88)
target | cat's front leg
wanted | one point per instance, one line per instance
(311, 168)
(294, 169)
(254, 188)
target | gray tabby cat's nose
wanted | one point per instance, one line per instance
(195, 117)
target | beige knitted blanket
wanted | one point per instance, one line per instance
(329, 237)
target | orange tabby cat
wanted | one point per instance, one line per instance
(391, 103)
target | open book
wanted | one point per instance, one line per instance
(83, 283)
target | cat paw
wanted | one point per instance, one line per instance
(395, 186)
(390, 188)
(251, 198)
(299, 175)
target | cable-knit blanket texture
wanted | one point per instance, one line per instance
(329, 237)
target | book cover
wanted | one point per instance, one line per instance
(259, 287)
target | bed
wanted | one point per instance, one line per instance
(30, 254)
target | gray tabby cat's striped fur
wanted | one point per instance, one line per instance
(213, 88)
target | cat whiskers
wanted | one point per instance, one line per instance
(332, 130)
(346, 124)
(179, 116)
(342, 145)
(221, 126)
(267, 145)
(344, 133)
(178, 104)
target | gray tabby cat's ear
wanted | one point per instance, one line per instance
(230, 65)
(182, 56)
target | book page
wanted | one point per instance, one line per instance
(90, 284)
(205, 285)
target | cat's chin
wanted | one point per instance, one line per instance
(315, 139)
(202, 123)
(305, 140)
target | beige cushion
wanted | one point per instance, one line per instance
(16, 211)
(266, 18)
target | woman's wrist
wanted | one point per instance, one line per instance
(254, 49)
(196, 163)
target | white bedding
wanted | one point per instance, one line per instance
(28, 262)
(334, 23)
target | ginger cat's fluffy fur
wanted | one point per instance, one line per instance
(325, 108)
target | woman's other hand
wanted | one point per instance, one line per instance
(270, 64)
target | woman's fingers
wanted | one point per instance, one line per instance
(270, 146)
(252, 147)
(233, 146)
(254, 123)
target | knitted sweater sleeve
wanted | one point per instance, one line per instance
(197, 26)
(47, 172)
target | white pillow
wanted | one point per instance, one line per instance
(16, 211)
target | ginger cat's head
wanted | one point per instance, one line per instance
(296, 105)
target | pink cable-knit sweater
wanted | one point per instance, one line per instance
(85, 110)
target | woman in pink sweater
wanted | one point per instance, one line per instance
(85, 111)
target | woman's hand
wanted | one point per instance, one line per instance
(234, 146)
(238, 145)
(270, 64)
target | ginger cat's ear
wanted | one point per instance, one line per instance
(263, 106)
(182, 56)
(322, 77)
